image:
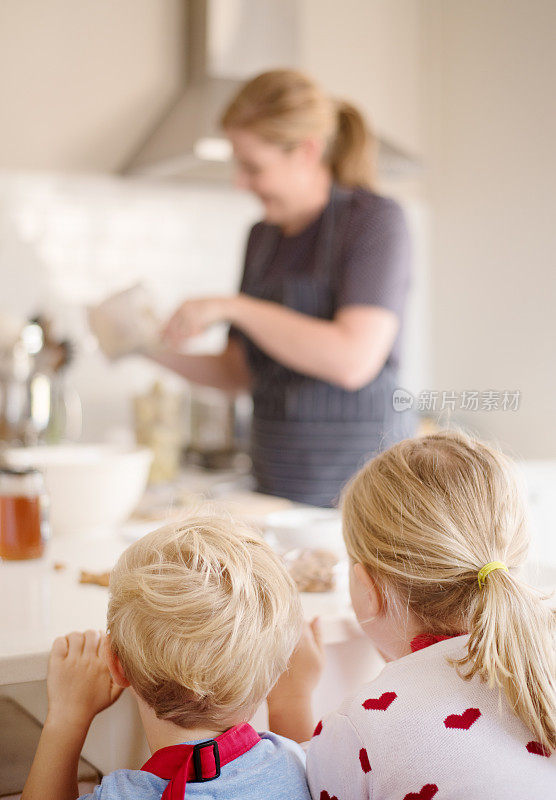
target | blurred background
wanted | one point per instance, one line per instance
(91, 200)
(113, 174)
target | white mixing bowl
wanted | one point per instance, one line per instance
(301, 527)
(91, 487)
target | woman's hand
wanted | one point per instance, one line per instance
(194, 316)
(78, 682)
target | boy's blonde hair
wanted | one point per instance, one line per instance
(203, 617)
(423, 518)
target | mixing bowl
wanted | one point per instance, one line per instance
(91, 487)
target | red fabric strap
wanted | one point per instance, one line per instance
(426, 639)
(179, 763)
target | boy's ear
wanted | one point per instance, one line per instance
(113, 664)
(374, 595)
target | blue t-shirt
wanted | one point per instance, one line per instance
(274, 769)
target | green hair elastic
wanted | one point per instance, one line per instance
(487, 569)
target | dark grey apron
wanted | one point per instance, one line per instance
(309, 436)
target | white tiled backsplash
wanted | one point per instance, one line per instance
(69, 240)
(89, 235)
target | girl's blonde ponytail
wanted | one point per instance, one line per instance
(511, 646)
(284, 106)
(424, 517)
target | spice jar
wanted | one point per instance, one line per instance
(23, 514)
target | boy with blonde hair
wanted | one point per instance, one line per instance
(202, 620)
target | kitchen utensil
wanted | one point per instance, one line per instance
(160, 418)
(36, 403)
(91, 487)
(219, 429)
(125, 322)
(306, 527)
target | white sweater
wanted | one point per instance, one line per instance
(419, 731)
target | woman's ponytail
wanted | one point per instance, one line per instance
(351, 153)
(512, 646)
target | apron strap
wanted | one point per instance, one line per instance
(201, 762)
(330, 240)
(333, 234)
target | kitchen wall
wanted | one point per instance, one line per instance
(370, 51)
(491, 169)
(82, 83)
(470, 83)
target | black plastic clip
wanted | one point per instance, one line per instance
(197, 760)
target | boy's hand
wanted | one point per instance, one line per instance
(304, 669)
(78, 681)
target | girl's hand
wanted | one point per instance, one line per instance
(289, 703)
(194, 316)
(78, 682)
(304, 669)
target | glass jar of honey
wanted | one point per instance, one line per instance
(24, 525)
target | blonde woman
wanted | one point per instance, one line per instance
(466, 705)
(316, 326)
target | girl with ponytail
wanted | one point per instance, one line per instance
(436, 533)
(317, 324)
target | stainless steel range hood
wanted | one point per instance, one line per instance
(228, 41)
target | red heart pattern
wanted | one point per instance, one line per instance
(364, 759)
(463, 721)
(429, 790)
(380, 703)
(538, 749)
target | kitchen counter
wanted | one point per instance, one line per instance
(43, 599)
(42, 602)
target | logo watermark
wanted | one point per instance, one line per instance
(466, 400)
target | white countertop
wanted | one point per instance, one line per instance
(41, 603)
